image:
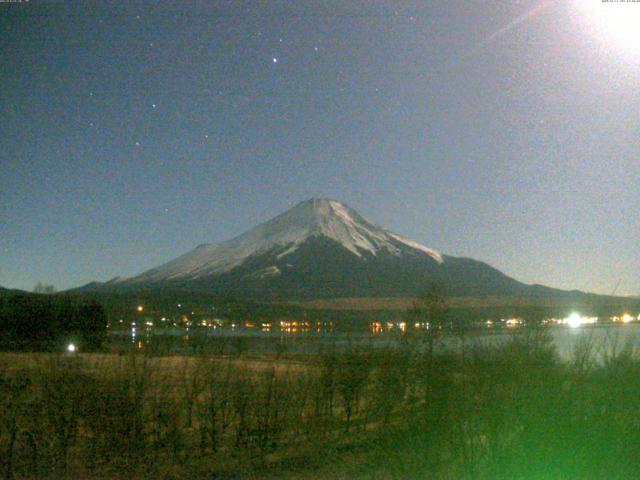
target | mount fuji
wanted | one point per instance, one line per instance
(321, 249)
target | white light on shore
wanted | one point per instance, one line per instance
(71, 348)
(574, 320)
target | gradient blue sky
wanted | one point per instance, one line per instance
(132, 132)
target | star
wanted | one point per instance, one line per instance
(275, 59)
(315, 48)
(206, 136)
(137, 144)
(153, 105)
(91, 94)
(151, 44)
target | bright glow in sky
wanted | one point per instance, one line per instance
(616, 22)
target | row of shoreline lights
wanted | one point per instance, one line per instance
(574, 320)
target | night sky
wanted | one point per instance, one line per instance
(506, 131)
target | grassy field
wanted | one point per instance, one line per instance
(509, 411)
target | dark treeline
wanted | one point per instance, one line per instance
(45, 322)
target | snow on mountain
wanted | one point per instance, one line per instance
(286, 232)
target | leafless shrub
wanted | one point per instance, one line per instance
(215, 412)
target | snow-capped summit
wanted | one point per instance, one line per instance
(321, 218)
(334, 220)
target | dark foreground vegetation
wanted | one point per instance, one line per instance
(511, 411)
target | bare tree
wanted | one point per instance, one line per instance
(432, 310)
(44, 289)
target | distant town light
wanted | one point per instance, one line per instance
(513, 322)
(140, 308)
(626, 318)
(71, 348)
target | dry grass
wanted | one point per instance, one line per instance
(507, 411)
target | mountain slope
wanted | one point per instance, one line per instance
(6, 292)
(283, 236)
(322, 249)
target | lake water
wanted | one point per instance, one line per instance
(602, 339)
